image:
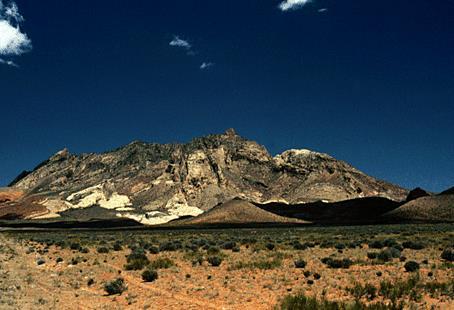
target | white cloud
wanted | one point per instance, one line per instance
(322, 10)
(292, 4)
(13, 41)
(177, 42)
(206, 65)
(8, 62)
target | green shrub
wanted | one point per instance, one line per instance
(229, 245)
(116, 286)
(301, 302)
(117, 246)
(396, 290)
(40, 261)
(385, 255)
(75, 246)
(300, 263)
(212, 250)
(337, 263)
(411, 266)
(149, 275)
(137, 260)
(298, 246)
(413, 245)
(372, 255)
(102, 250)
(448, 254)
(153, 249)
(270, 246)
(214, 261)
(376, 244)
(368, 290)
(162, 263)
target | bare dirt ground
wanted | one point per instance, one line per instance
(28, 283)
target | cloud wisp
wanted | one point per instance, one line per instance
(178, 42)
(206, 65)
(8, 62)
(13, 42)
(289, 5)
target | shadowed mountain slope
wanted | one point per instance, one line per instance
(438, 208)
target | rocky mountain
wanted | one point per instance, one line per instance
(156, 183)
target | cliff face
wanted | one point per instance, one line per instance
(155, 183)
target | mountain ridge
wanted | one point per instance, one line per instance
(155, 183)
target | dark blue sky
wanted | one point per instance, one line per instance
(369, 82)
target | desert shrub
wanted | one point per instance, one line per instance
(317, 276)
(436, 289)
(298, 246)
(116, 286)
(307, 273)
(396, 290)
(236, 249)
(84, 250)
(75, 260)
(402, 258)
(270, 246)
(376, 244)
(325, 244)
(75, 246)
(170, 246)
(411, 266)
(149, 275)
(137, 260)
(40, 261)
(162, 263)
(102, 249)
(337, 263)
(372, 255)
(153, 249)
(413, 245)
(379, 273)
(300, 263)
(229, 245)
(212, 250)
(358, 291)
(385, 255)
(354, 244)
(301, 302)
(395, 253)
(61, 244)
(59, 260)
(392, 243)
(214, 261)
(117, 246)
(448, 254)
(339, 246)
(90, 282)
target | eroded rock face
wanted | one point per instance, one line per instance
(160, 182)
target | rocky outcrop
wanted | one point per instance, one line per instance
(153, 183)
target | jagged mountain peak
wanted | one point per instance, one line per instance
(158, 182)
